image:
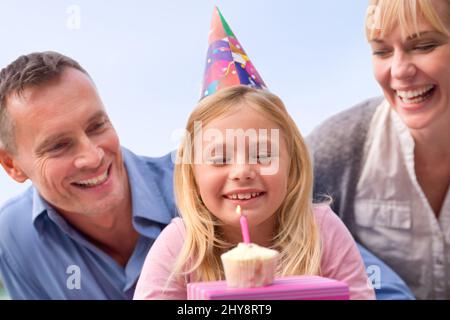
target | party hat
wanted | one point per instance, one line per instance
(227, 64)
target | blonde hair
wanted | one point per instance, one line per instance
(297, 236)
(384, 15)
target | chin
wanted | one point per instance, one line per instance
(105, 207)
(417, 122)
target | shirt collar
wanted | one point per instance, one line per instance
(40, 207)
(151, 188)
(151, 196)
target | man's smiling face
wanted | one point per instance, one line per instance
(67, 146)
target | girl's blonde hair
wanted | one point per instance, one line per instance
(384, 15)
(297, 236)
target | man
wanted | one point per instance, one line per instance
(83, 229)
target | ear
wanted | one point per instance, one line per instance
(10, 166)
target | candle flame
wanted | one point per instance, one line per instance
(238, 209)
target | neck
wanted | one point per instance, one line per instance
(431, 159)
(432, 146)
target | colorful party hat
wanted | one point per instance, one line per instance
(227, 64)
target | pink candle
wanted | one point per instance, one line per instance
(244, 225)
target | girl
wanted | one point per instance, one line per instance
(274, 190)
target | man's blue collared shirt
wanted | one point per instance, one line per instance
(43, 257)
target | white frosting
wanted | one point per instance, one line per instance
(249, 251)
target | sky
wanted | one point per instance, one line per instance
(147, 57)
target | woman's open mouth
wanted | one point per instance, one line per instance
(416, 96)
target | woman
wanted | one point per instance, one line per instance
(391, 164)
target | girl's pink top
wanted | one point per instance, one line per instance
(341, 260)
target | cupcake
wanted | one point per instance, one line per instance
(249, 265)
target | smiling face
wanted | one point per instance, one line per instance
(226, 181)
(67, 146)
(414, 71)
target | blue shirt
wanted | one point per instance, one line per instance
(44, 257)
(387, 284)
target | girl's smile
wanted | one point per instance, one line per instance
(245, 197)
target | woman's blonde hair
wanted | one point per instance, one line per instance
(384, 15)
(297, 236)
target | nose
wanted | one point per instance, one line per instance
(89, 155)
(242, 172)
(402, 67)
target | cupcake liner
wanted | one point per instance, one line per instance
(249, 273)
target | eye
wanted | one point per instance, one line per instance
(218, 160)
(380, 53)
(98, 126)
(425, 47)
(264, 159)
(58, 147)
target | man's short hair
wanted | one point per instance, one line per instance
(32, 69)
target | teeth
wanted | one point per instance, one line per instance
(243, 196)
(414, 93)
(413, 101)
(94, 181)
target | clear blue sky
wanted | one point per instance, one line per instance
(147, 57)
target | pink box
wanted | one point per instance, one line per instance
(286, 288)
